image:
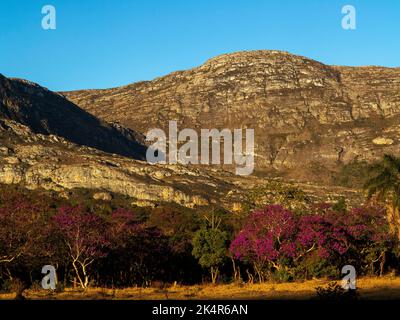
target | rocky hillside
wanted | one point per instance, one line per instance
(53, 163)
(309, 118)
(49, 143)
(46, 112)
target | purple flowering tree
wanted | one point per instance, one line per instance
(268, 235)
(275, 238)
(84, 236)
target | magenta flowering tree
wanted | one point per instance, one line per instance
(367, 222)
(267, 237)
(275, 238)
(84, 236)
(324, 235)
(338, 232)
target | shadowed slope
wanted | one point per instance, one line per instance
(47, 113)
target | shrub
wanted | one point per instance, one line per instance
(335, 292)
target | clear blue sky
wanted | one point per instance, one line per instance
(107, 43)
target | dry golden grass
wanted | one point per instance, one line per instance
(369, 288)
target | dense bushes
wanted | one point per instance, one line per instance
(103, 244)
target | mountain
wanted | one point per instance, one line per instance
(310, 119)
(49, 143)
(46, 112)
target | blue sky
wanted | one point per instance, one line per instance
(107, 43)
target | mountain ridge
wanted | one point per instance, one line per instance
(221, 56)
(304, 113)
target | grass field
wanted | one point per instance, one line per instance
(368, 288)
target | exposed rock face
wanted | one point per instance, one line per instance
(53, 163)
(306, 115)
(49, 113)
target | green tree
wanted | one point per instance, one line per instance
(210, 247)
(385, 185)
